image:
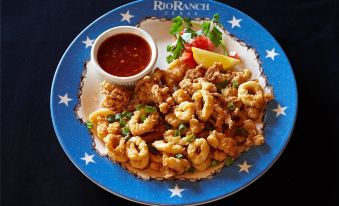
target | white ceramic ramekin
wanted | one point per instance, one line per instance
(130, 80)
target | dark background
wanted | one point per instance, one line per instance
(36, 171)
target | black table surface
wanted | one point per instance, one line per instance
(36, 171)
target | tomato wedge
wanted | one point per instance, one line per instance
(200, 42)
(188, 59)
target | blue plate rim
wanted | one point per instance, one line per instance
(52, 94)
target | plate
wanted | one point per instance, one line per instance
(72, 88)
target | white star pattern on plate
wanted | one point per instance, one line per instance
(88, 42)
(279, 110)
(271, 54)
(244, 167)
(126, 17)
(88, 158)
(176, 191)
(235, 22)
(64, 99)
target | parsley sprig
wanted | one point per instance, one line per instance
(209, 29)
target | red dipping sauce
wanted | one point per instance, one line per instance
(124, 55)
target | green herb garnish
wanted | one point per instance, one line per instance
(117, 116)
(189, 27)
(214, 163)
(127, 114)
(110, 118)
(231, 106)
(177, 133)
(143, 118)
(125, 131)
(179, 156)
(176, 49)
(182, 127)
(89, 124)
(221, 85)
(229, 161)
(177, 25)
(150, 109)
(235, 84)
(139, 107)
(127, 137)
(122, 122)
(211, 31)
(190, 137)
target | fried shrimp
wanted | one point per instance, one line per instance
(141, 128)
(251, 94)
(137, 152)
(115, 146)
(185, 111)
(198, 151)
(203, 101)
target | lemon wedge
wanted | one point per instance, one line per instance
(208, 58)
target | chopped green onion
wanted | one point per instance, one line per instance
(127, 114)
(179, 156)
(191, 170)
(125, 131)
(89, 124)
(235, 84)
(110, 118)
(229, 161)
(143, 118)
(190, 137)
(127, 137)
(117, 116)
(177, 133)
(231, 106)
(182, 126)
(150, 109)
(122, 122)
(214, 163)
(222, 85)
(139, 106)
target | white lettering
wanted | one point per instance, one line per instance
(169, 6)
(177, 5)
(157, 5)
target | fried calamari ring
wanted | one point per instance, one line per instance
(141, 128)
(185, 111)
(203, 97)
(251, 94)
(137, 152)
(115, 146)
(198, 151)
